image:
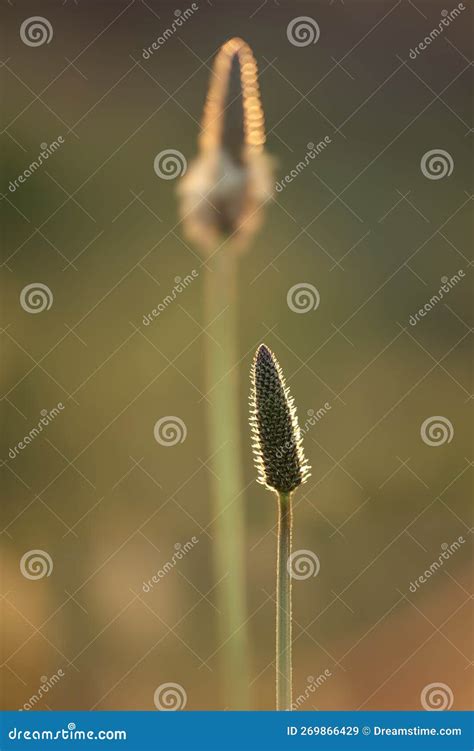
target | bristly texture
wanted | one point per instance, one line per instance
(277, 444)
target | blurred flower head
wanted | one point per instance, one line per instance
(226, 187)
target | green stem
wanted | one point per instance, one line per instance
(283, 607)
(224, 440)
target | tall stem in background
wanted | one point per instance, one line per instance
(224, 437)
(222, 197)
(283, 605)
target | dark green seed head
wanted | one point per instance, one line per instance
(277, 446)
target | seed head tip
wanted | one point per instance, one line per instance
(277, 443)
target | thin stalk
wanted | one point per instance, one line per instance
(227, 483)
(283, 606)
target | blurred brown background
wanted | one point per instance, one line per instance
(363, 225)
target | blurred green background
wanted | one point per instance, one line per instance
(362, 224)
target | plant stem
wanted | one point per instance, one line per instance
(224, 442)
(283, 606)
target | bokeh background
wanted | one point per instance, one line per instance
(362, 224)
